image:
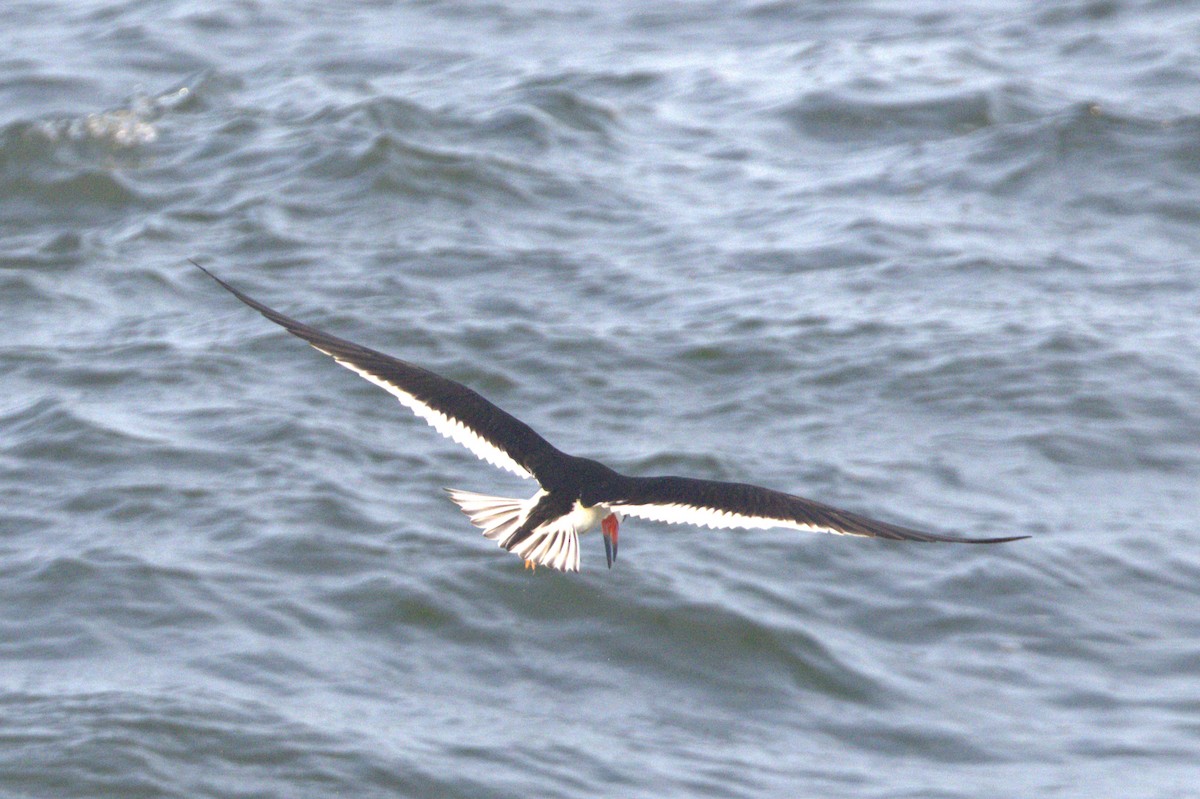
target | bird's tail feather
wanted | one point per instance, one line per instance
(500, 517)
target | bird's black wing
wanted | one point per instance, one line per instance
(449, 407)
(711, 503)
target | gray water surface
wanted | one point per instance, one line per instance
(937, 266)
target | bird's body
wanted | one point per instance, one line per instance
(576, 494)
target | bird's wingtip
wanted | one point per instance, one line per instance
(204, 269)
(1002, 540)
(196, 264)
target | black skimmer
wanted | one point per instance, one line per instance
(576, 494)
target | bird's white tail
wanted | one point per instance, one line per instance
(498, 517)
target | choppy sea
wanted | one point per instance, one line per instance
(934, 263)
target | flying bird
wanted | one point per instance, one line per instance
(575, 494)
